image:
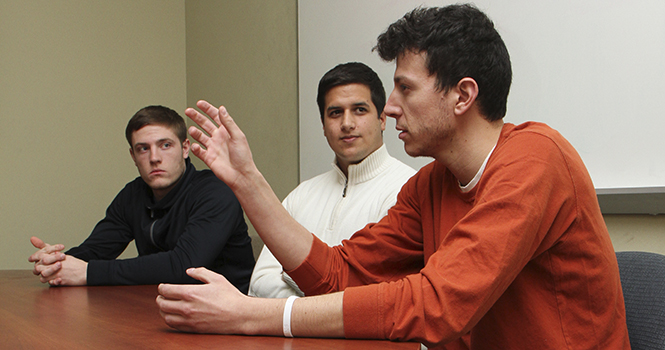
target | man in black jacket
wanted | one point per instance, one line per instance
(179, 218)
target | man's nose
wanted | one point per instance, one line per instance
(348, 121)
(391, 109)
(155, 156)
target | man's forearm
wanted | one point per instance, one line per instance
(318, 316)
(289, 241)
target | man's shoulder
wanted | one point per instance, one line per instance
(134, 187)
(534, 139)
(532, 130)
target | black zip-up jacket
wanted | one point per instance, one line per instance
(198, 223)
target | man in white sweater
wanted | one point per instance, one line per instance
(363, 183)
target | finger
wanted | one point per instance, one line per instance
(53, 248)
(47, 272)
(45, 249)
(38, 243)
(48, 259)
(177, 322)
(229, 124)
(38, 268)
(198, 151)
(204, 275)
(202, 121)
(210, 110)
(220, 116)
(168, 306)
(198, 135)
(36, 257)
(171, 291)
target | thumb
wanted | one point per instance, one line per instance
(204, 275)
(38, 243)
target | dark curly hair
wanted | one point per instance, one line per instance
(459, 41)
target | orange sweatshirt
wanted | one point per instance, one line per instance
(522, 261)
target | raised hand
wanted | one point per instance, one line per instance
(223, 148)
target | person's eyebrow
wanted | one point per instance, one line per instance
(361, 103)
(166, 139)
(160, 141)
(355, 104)
(400, 79)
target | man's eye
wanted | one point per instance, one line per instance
(166, 145)
(334, 113)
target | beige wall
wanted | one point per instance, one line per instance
(243, 55)
(637, 232)
(73, 72)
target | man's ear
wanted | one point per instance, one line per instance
(467, 90)
(383, 118)
(186, 145)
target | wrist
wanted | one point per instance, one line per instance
(85, 274)
(262, 316)
(249, 181)
(286, 318)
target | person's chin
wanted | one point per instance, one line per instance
(157, 184)
(412, 151)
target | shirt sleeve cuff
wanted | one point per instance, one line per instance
(362, 312)
(96, 271)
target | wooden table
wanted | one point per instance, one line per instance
(36, 316)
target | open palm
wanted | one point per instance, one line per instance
(224, 148)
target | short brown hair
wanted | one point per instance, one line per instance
(157, 115)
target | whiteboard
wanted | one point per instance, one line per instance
(593, 69)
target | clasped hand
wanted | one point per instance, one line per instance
(55, 267)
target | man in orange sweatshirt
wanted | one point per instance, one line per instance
(500, 238)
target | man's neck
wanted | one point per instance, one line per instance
(470, 147)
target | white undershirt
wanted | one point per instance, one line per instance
(468, 187)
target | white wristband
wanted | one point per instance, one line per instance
(286, 319)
